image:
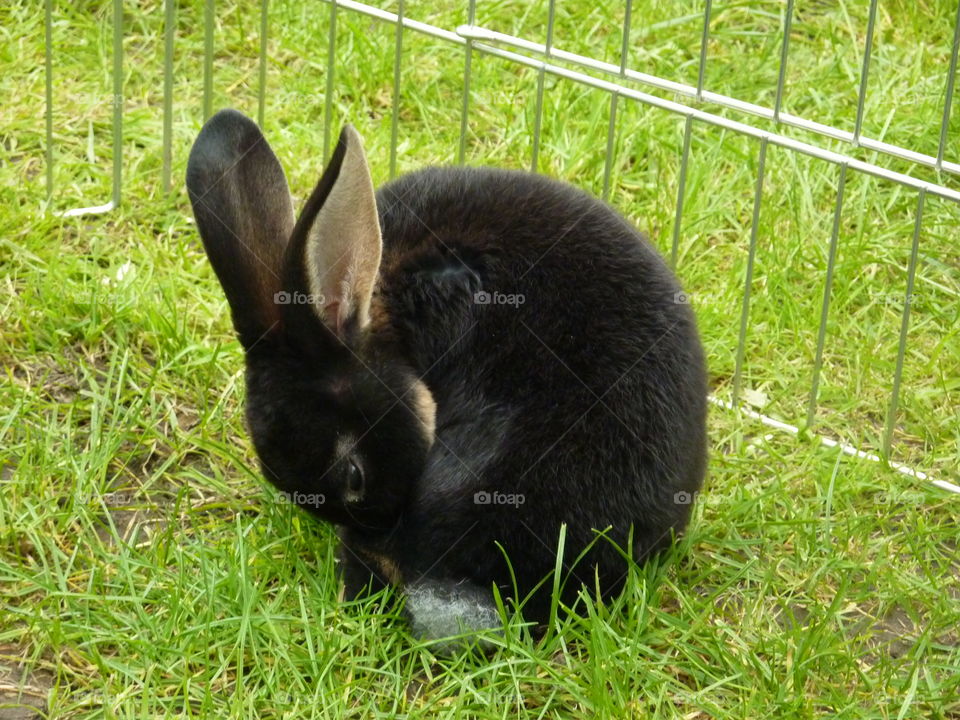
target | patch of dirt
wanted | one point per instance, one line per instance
(792, 615)
(893, 634)
(137, 512)
(45, 378)
(23, 693)
(139, 525)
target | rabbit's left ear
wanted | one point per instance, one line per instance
(337, 240)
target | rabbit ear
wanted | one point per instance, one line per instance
(244, 213)
(337, 241)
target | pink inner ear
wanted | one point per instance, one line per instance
(331, 314)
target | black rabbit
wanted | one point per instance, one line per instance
(453, 368)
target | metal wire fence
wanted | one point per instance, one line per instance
(696, 104)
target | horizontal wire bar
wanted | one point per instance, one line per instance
(684, 110)
(92, 210)
(845, 448)
(733, 125)
(479, 33)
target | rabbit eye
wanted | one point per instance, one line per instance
(354, 480)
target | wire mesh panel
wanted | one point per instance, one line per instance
(812, 222)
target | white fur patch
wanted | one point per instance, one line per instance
(442, 608)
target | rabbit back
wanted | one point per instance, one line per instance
(567, 371)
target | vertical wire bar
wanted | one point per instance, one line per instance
(608, 159)
(208, 19)
(328, 94)
(748, 280)
(465, 108)
(117, 100)
(538, 118)
(827, 290)
(169, 29)
(262, 89)
(681, 191)
(865, 72)
(904, 325)
(704, 39)
(951, 75)
(784, 51)
(395, 120)
(48, 64)
(614, 99)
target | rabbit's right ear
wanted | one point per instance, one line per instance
(244, 213)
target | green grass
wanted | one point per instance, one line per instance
(144, 570)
